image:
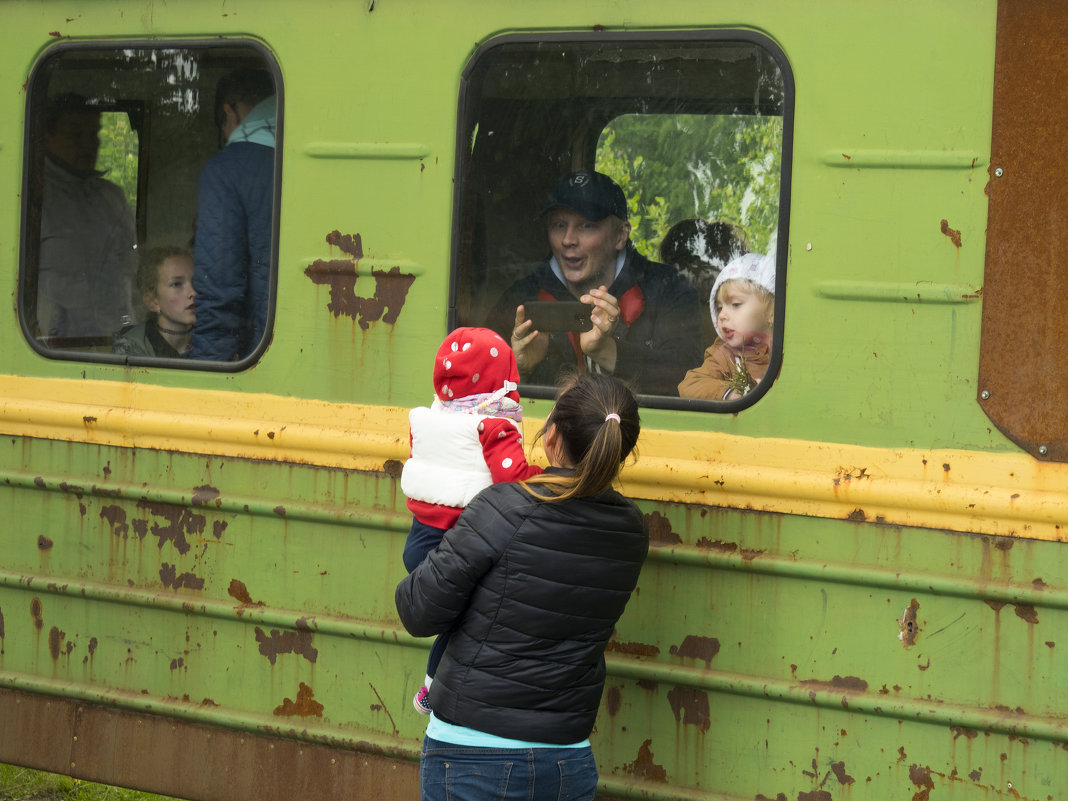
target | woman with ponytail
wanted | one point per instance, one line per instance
(530, 582)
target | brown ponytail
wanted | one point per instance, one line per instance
(596, 418)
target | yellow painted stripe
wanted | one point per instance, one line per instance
(1006, 494)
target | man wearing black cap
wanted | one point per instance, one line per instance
(646, 323)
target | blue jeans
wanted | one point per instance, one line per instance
(450, 772)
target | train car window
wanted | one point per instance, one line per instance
(150, 203)
(649, 167)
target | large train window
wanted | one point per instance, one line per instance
(150, 203)
(647, 180)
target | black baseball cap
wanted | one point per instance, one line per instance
(592, 194)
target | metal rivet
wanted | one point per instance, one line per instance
(1042, 450)
(999, 172)
(985, 394)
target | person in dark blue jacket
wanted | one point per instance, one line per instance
(645, 317)
(531, 582)
(233, 231)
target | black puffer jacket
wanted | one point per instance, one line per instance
(532, 591)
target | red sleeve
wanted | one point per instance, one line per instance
(502, 448)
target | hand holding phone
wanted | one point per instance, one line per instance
(558, 315)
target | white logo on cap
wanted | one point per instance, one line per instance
(581, 179)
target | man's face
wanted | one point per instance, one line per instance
(76, 140)
(585, 250)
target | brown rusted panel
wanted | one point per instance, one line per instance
(189, 760)
(1024, 349)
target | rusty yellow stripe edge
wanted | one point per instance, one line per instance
(992, 493)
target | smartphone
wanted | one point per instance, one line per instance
(559, 315)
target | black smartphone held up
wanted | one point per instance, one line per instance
(559, 315)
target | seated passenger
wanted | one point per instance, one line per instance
(743, 308)
(86, 264)
(699, 249)
(165, 280)
(645, 317)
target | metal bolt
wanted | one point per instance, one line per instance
(999, 172)
(985, 394)
(1042, 450)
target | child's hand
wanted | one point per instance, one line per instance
(530, 346)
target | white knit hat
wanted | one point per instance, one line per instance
(756, 267)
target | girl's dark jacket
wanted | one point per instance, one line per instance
(531, 592)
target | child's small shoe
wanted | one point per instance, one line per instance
(421, 701)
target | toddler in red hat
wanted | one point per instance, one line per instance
(467, 439)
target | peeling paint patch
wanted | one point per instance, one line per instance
(661, 534)
(305, 706)
(921, 777)
(632, 648)
(218, 527)
(690, 707)
(115, 517)
(815, 795)
(953, 234)
(180, 522)
(696, 647)
(839, 771)
(909, 627)
(239, 592)
(747, 554)
(392, 468)
(55, 640)
(391, 288)
(170, 577)
(848, 683)
(643, 766)
(286, 642)
(205, 494)
(1026, 612)
(37, 613)
(613, 700)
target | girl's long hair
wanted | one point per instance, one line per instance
(595, 443)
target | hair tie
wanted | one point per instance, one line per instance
(612, 416)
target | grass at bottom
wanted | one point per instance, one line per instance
(23, 784)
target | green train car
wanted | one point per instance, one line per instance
(855, 588)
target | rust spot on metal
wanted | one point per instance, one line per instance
(839, 771)
(55, 640)
(647, 684)
(909, 627)
(995, 605)
(92, 645)
(747, 554)
(857, 515)
(39, 483)
(961, 731)
(632, 648)
(921, 777)
(392, 468)
(239, 592)
(286, 642)
(643, 766)
(170, 577)
(778, 797)
(1050, 643)
(346, 243)
(848, 683)
(217, 528)
(88, 420)
(43, 543)
(815, 795)
(177, 663)
(180, 522)
(1, 628)
(204, 495)
(115, 516)
(37, 613)
(391, 288)
(305, 706)
(1039, 585)
(661, 534)
(56, 34)
(613, 700)
(952, 233)
(976, 775)
(1026, 612)
(696, 647)
(690, 706)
